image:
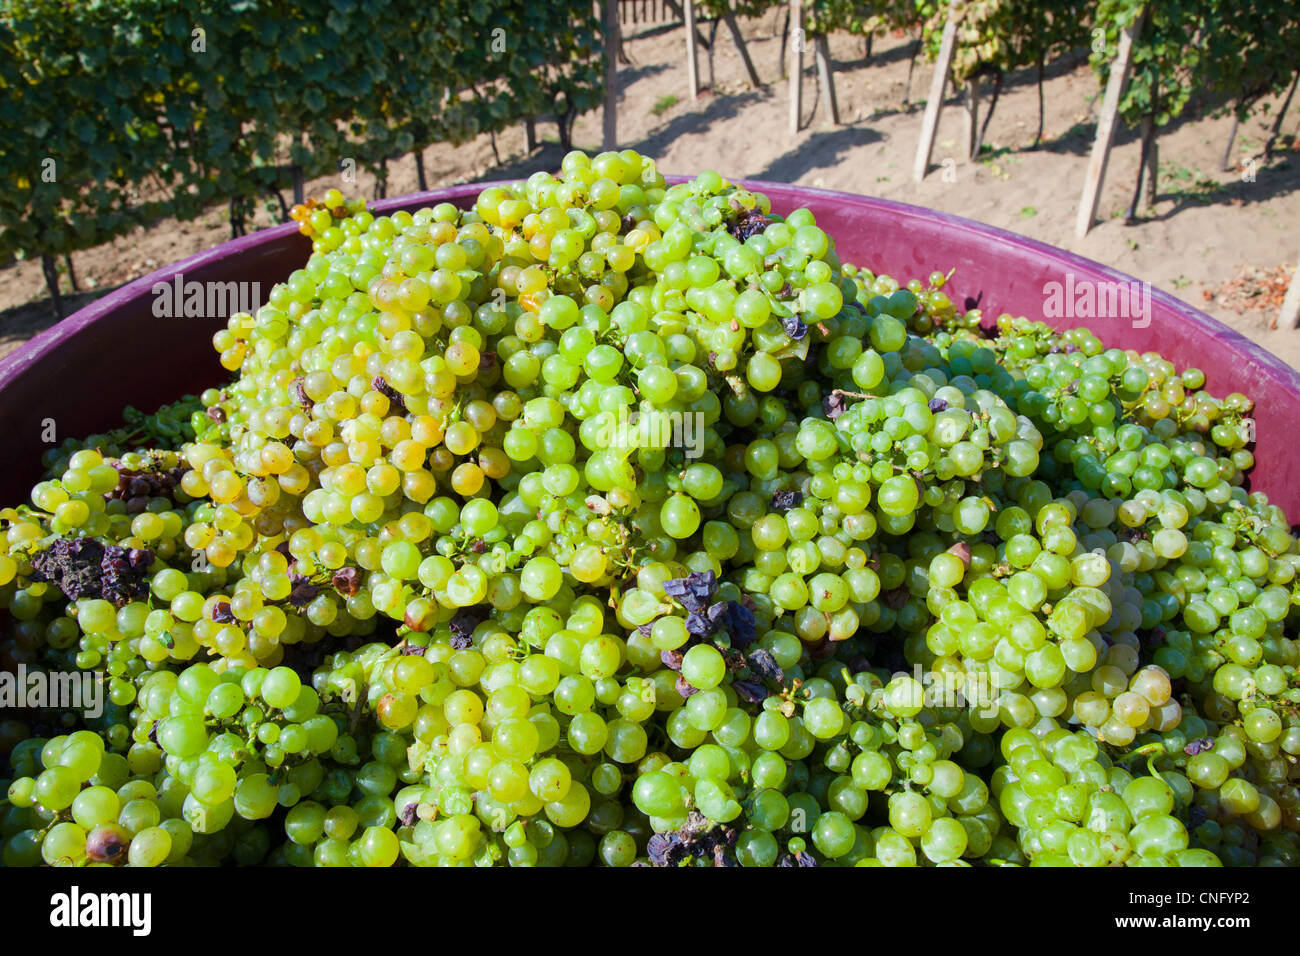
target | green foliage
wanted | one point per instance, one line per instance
(865, 19)
(741, 8)
(1251, 51)
(1166, 57)
(117, 112)
(1005, 35)
(1240, 51)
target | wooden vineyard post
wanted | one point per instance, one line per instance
(1105, 130)
(692, 60)
(1289, 317)
(826, 76)
(677, 11)
(795, 70)
(930, 125)
(610, 132)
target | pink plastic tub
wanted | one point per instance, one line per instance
(83, 371)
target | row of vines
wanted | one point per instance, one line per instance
(1219, 55)
(1209, 56)
(118, 112)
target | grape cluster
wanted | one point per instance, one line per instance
(607, 522)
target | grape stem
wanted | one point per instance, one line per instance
(1150, 751)
(738, 386)
(356, 713)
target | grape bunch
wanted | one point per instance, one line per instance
(606, 522)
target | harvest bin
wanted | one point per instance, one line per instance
(82, 372)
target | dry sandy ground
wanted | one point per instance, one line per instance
(1204, 229)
